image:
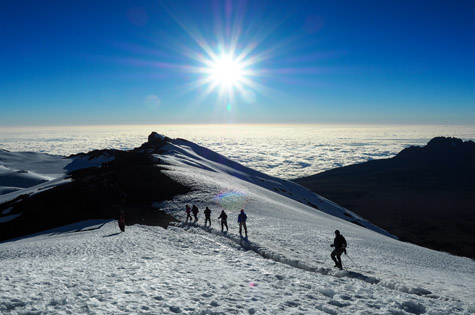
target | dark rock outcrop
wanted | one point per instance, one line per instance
(424, 195)
(441, 152)
(131, 182)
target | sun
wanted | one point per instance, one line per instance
(226, 71)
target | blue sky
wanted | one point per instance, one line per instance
(133, 62)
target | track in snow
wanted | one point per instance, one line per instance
(268, 254)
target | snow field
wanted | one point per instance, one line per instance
(150, 270)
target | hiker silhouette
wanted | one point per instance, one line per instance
(122, 220)
(207, 213)
(224, 220)
(188, 213)
(339, 244)
(242, 218)
(195, 211)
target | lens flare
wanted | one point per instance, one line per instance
(231, 200)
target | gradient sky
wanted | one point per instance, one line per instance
(94, 62)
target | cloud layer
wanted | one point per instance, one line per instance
(285, 151)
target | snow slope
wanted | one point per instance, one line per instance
(191, 154)
(288, 231)
(150, 270)
(20, 170)
(28, 172)
(192, 269)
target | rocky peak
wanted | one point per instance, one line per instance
(154, 143)
(441, 150)
(155, 138)
(445, 143)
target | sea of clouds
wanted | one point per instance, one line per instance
(285, 151)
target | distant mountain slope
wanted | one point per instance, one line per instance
(424, 195)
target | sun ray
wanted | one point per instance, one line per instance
(233, 58)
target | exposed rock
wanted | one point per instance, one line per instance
(424, 195)
(443, 151)
(156, 138)
(131, 182)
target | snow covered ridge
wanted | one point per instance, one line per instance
(29, 173)
(183, 152)
(19, 170)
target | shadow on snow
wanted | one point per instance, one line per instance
(269, 254)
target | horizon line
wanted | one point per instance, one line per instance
(231, 124)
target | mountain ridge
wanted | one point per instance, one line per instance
(423, 195)
(133, 181)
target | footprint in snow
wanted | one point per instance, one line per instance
(175, 309)
(207, 294)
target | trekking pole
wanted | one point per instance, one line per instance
(351, 260)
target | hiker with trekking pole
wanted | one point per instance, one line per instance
(339, 245)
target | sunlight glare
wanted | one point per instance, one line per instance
(226, 71)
